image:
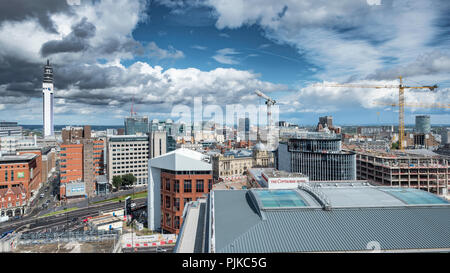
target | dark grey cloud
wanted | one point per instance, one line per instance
(20, 80)
(76, 41)
(20, 10)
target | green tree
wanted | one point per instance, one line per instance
(117, 181)
(395, 146)
(128, 179)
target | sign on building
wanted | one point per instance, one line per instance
(75, 189)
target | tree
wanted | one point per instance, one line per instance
(117, 181)
(128, 179)
(395, 146)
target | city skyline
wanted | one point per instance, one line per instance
(170, 52)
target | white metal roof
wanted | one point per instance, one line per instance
(182, 160)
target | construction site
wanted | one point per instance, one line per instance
(404, 169)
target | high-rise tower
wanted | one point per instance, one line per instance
(47, 92)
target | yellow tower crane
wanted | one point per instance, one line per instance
(401, 101)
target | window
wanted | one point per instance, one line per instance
(167, 184)
(199, 186)
(176, 223)
(168, 220)
(176, 203)
(176, 186)
(167, 202)
(187, 186)
(187, 200)
(210, 182)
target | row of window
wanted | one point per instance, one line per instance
(135, 174)
(9, 198)
(186, 172)
(130, 167)
(130, 158)
(166, 202)
(13, 166)
(18, 203)
(131, 145)
(139, 161)
(175, 186)
(168, 221)
(129, 149)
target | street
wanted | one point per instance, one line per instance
(63, 221)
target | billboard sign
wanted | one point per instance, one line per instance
(75, 189)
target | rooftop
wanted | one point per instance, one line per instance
(17, 158)
(407, 154)
(239, 153)
(329, 217)
(123, 138)
(182, 160)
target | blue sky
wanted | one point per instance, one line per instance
(164, 53)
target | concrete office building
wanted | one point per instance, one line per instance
(128, 154)
(10, 144)
(175, 179)
(319, 217)
(158, 143)
(10, 129)
(423, 124)
(47, 103)
(317, 155)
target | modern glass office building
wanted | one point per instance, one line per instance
(136, 125)
(318, 156)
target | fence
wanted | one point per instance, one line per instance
(60, 237)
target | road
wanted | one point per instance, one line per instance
(63, 221)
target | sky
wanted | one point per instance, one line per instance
(156, 55)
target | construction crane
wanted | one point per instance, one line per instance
(401, 101)
(132, 112)
(269, 103)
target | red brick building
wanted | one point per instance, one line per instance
(175, 179)
(81, 159)
(20, 177)
(177, 189)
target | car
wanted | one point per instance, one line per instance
(74, 219)
(48, 201)
(160, 249)
(42, 195)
